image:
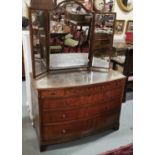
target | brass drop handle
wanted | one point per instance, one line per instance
(63, 115)
(63, 131)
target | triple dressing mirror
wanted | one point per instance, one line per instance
(61, 37)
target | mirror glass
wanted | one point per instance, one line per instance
(104, 23)
(69, 29)
(104, 31)
(109, 5)
(38, 42)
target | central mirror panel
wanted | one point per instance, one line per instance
(69, 33)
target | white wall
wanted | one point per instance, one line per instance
(24, 7)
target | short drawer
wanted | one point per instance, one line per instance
(54, 116)
(77, 128)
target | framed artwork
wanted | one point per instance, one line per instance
(105, 22)
(129, 26)
(125, 5)
(119, 26)
(101, 6)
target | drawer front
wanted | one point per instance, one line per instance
(80, 91)
(81, 101)
(106, 109)
(76, 128)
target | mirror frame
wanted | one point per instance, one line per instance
(34, 73)
(124, 8)
(61, 4)
(47, 12)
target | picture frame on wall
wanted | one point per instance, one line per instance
(119, 26)
(101, 6)
(129, 26)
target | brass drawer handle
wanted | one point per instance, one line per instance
(63, 115)
(63, 131)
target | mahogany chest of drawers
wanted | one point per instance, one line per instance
(84, 104)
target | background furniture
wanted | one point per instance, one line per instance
(126, 62)
(78, 41)
(82, 33)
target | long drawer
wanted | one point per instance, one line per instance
(55, 116)
(76, 128)
(81, 90)
(81, 101)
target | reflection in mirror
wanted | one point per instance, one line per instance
(109, 5)
(69, 33)
(104, 31)
(39, 41)
(104, 23)
(101, 61)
